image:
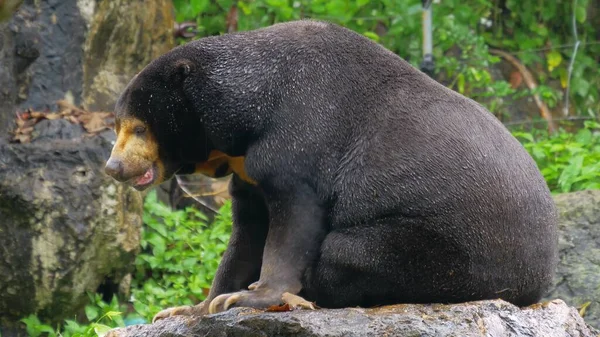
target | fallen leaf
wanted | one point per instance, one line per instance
(94, 121)
(279, 308)
(37, 114)
(72, 119)
(22, 138)
(26, 130)
(52, 116)
(65, 107)
(24, 115)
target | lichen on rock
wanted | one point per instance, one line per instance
(66, 226)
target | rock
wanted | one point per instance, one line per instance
(124, 36)
(82, 51)
(8, 87)
(58, 28)
(484, 318)
(56, 129)
(577, 280)
(66, 227)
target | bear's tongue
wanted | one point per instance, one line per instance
(146, 178)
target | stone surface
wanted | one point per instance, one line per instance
(485, 318)
(65, 226)
(124, 36)
(82, 51)
(8, 87)
(577, 280)
(56, 31)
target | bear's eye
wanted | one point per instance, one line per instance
(139, 130)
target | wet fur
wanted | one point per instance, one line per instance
(374, 183)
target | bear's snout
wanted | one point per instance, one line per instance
(114, 168)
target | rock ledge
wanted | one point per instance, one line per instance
(483, 318)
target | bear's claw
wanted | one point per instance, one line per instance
(223, 302)
(295, 302)
(259, 298)
(187, 310)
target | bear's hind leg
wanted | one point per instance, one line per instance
(393, 262)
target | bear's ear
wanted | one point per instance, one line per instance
(182, 69)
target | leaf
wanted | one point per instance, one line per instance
(46, 328)
(52, 116)
(584, 136)
(460, 82)
(554, 59)
(113, 314)
(158, 227)
(101, 330)
(542, 30)
(95, 121)
(37, 114)
(279, 308)
(580, 14)
(525, 135)
(569, 174)
(564, 77)
(21, 138)
(582, 87)
(91, 312)
(371, 35)
(583, 308)
(198, 6)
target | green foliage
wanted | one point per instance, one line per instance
(568, 161)
(547, 26)
(539, 32)
(103, 317)
(181, 255)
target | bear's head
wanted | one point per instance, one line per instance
(158, 132)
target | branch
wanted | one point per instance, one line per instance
(531, 84)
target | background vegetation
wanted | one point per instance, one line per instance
(540, 34)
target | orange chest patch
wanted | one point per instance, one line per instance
(220, 164)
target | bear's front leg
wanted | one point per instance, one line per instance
(296, 230)
(241, 262)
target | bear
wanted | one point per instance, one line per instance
(356, 179)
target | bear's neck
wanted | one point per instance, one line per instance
(238, 95)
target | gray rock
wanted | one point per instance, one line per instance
(577, 279)
(58, 70)
(82, 51)
(8, 82)
(56, 129)
(65, 227)
(484, 318)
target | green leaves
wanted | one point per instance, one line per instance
(103, 317)
(36, 328)
(580, 13)
(568, 161)
(554, 59)
(181, 255)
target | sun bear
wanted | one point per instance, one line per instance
(357, 179)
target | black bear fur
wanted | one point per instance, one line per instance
(371, 183)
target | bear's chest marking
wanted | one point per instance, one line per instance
(220, 165)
